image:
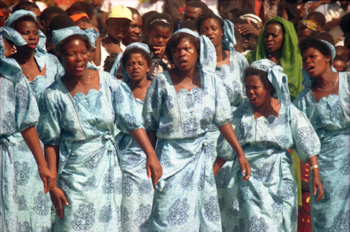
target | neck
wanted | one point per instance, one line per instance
(265, 108)
(187, 74)
(275, 56)
(220, 53)
(84, 79)
(23, 57)
(142, 84)
(326, 80)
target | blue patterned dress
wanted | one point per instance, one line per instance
(137, 197)
(331, 119)
(84, 127)
(185, 197)
(35, 206)
(18, 111)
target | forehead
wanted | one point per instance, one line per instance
(162, 30)
(26, 24)
(193, 10)
(273, 27)
(118, 21)
(74, 44)
(211, 21)
(137, 18)
(309, 51)
(136, 56)
(184, 42)
(253, 79)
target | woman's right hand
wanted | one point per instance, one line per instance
(245, 166)
(154, 169)
(58, 199)
(47, 177)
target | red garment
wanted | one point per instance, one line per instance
(304, 216)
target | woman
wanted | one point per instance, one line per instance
(79, 117)
(325, 101)
(179, 106)
(137, 197)
(19, 114)
(278, 42)
(41, 69)
(266, 127)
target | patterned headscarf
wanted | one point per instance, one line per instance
(311, 24)
(9, 68)
(229, 40)
(61, 34)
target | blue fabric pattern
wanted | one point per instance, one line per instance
(331, 119)
(61, 34)
(268, 200)
(84, 127)
(18, 111)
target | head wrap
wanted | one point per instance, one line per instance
(76, 17)
(229, 40)
(117, 62)
(277, 78)
(61, 34)
(311, 24)
(9, 68)
(14, 36)
(307, 82)
(120, 11)
(290, 58)
(207, 56)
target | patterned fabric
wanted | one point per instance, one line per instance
(268, 200)
(61, 34)
(18, 111)
(311, 24)
(331, 119)
(185, 197)
(84, 127)
(137, 196)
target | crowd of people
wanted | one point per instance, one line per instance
(175, 116)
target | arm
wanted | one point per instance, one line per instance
(316, 182)
(31, 138)
(229, 134)
(153, 167)
(56, 194)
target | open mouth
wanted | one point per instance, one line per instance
(310, 69)
(79, 67)
(183, 63)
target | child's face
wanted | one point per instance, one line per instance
(159, 36)
(137, 67)
(339, 65)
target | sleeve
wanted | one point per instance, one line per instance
(128, 117)
(152, 105)
(222, 114)
(27, 113)
(306, 141)
(105, 7)
(49, 129)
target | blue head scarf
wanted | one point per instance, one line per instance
(13, 35)
(207, 56)
(60, 34)
(9, 68)
(229, 40)
(277, 78)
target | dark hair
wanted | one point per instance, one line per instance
(318, 17)
(176, 39)
(46, 14)
(344, 23)
(29, 6)
(326, 37)
(134, 11)
(190, 24)
(199, 4)
(88, 7)
(313, 42)
(206, 16)
(77, 9)
(61, 21)
(160, 19)
(140, 51)
(276, 22)
(109, 61)
(59, 48)
(25, 18)
(249, 71)
(338, 57)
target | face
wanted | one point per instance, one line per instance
(75, 57)
(314, 62)
(159, 36)
(29, 32)
(212, 29)
(137, 67)
(192, 13)
(273, 38)
(117, 28)
(185, 55)
(256, 90)
(339, 65)
(135, 29)
(303, 32)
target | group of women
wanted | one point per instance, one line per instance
(199, 119)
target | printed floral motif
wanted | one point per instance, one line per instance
(119, 97)
(201, 181)
(287, 191)
(258, 225)
(8, 123)
(264, 173)
(92, 161)
(169, 102)
(328, 191)
(105, 214)
(145, 187)
(42, 204)
(187, 179)
(211, 208)
(84, 217)
(90, 184)
(206, 116)
(178, 213)
(22, 203)
(341, 223)
(24, 227)
(166, 129)
(22, 171)
(109, 185)
(142, 214)
(189, 127)
(23, 96)
(127, 185)
(307, 138)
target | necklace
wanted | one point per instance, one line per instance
(326, 90)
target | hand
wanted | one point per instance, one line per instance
(47, 177)
(159, 51)
(58, 198)
(247, 29)
(154, 169)
(243, 162)
(317, 185)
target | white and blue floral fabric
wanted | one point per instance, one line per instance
(268, 200)
(84, 127)
(18, 111)
(331, 119)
